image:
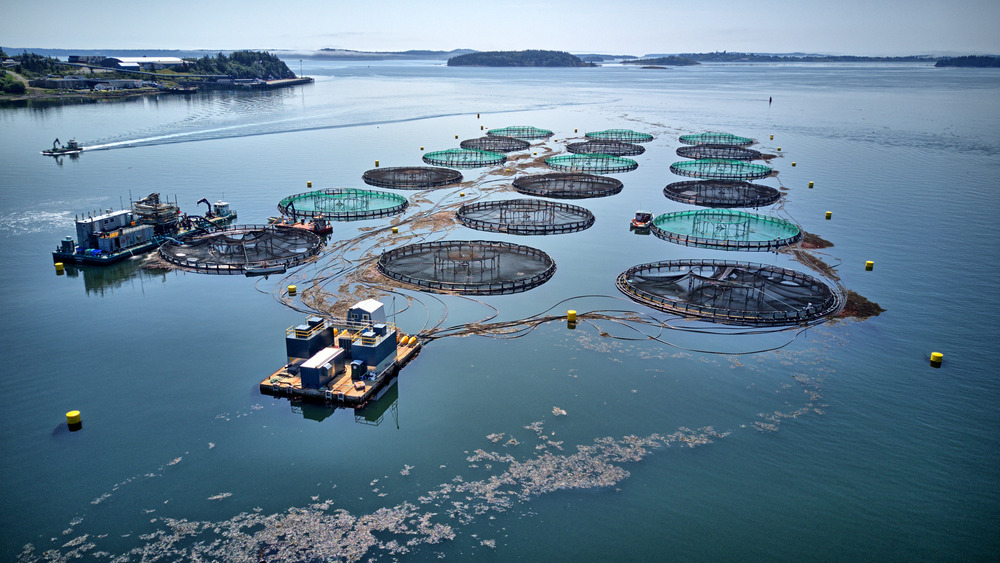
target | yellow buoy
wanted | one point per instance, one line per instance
(292, 289)
(421, 148)
(309, 183)
(506, 169)
(936, 358)
(395, 230)
(456, 136)
(574, 130)
(412, 341)
(869, 265)
(772, 137)
(555, 139)
(461, 194)
(810, 185)
(534, 154)
(376, 164)
(571, 316)
(829, 214)
(477, 116)
(481, 127)
(73, 417)
(59, 267)
(793, 163)
(779, 149)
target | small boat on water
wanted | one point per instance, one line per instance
(72, 147)
(641, 221)
(317, 225)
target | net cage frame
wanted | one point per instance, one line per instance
(590, 162)
(523, 132)
(411, 177)
(525, 216)
(613, 148)
(721, 193)
(735, 226)
(625, 135)
(495, 143)
(715, 138)
(721, 169)
(287, 205)
(236, 241)
(709, 150)
(714, 288)
(558, 185)
(450, 254)
(464, 158)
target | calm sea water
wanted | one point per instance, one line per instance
(830, 443)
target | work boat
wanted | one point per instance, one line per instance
(72, 147)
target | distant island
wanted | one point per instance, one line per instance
(727, 57)
(350, 55)
(531, 58)
(598, 58)
(972, 61)
(671, 60)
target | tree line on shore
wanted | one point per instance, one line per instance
(238, 64)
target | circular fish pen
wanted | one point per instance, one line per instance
(525, 217)
(464, 158)
(624, 135)
(591, 163)
(342, 204)
(730, 292)
(476, 267)
(524, 132)
(563, 185)
(613, 148)
(721, 193)
(715, 138)
(495, 143)
(720, 169)
(252, 250)
(731, 152)
(725, 229)
(411, 177)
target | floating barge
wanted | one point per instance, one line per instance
(342, 361)
(113, 236)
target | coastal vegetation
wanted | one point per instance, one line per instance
(83, 81)
(518, 58)
(240, 64)
(971, 61)
(11, 85)
(30, 65)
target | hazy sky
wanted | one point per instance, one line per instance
(874, 27)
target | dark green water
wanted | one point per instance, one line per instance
(839, 442)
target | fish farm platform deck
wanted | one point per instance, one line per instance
(342, 390)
